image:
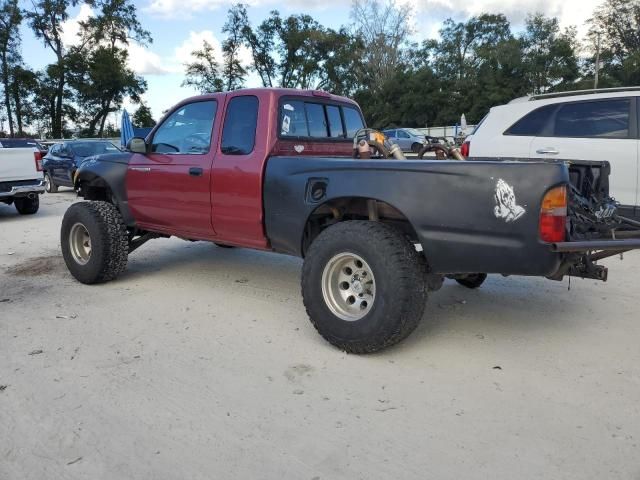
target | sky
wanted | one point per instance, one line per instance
(179, 26)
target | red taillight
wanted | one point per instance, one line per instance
(553, 215)
(38, 158)
(465, 149)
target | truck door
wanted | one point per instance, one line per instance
(596, 130)
(169, 188)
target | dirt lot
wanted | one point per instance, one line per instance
(200, 363)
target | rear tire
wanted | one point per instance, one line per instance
(49, 184)
(26, 205)
(94, 241)
(373, 264)
(472, 281)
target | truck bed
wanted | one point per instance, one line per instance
(451, 206)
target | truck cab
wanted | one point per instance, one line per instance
(200, 172)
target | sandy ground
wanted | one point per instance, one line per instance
(200, 363)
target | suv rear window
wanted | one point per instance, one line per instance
(605, 118)
(532, 123)
(318, 120)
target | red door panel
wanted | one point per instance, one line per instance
(171, 192)
(169, 189)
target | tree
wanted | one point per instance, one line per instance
(46, 20)
(116, 24)
(384, 31)
(617, 22)
(550, 56)
(102, 78)
(261, 42)
(143, 117)
(342, 64)
(10, 19)
(24, 83)
(203, 73)
(101, 82)
(233, 71)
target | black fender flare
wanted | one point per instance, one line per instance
(96, 179)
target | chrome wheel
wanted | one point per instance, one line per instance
(80, 244)
(348, 287)
(47, 183)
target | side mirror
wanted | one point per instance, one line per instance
(137, 145)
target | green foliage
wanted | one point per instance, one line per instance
(233, 71)
(618, 23)
(143, 118)
(100, 81)
(10, 20)
(203, 73)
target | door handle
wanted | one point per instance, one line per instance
(195, 172)
(547, 151)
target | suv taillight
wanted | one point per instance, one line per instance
(38, 158)
(465, 149)
(553, 215)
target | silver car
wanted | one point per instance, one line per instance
(408, 139)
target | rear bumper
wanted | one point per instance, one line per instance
(21, 190)
(601, 245)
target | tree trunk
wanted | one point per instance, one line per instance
(57, 120)
(18, 104)
(7, 97)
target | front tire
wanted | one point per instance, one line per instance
(27, 206)
(94, 241)
(416, 147)
(364, 286)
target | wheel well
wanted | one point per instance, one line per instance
(355, 208)
(95, 189)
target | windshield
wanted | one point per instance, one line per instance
(88, 149)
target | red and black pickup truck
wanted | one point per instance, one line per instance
(277, 170)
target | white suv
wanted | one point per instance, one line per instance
(584, 125)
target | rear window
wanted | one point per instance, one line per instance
(335, 121)
(533, 123)
(607, 118)
(318, 120)
(18, 143)
(352, 120)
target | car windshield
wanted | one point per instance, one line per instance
(88, 149)
(414, 132)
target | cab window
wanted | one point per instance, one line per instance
(187, 130)
(335, 122)
(352, 121)
(293, 120)
(240, 125)
(318, 120)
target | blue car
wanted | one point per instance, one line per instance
(60, 163)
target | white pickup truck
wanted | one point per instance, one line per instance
(21, 178)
